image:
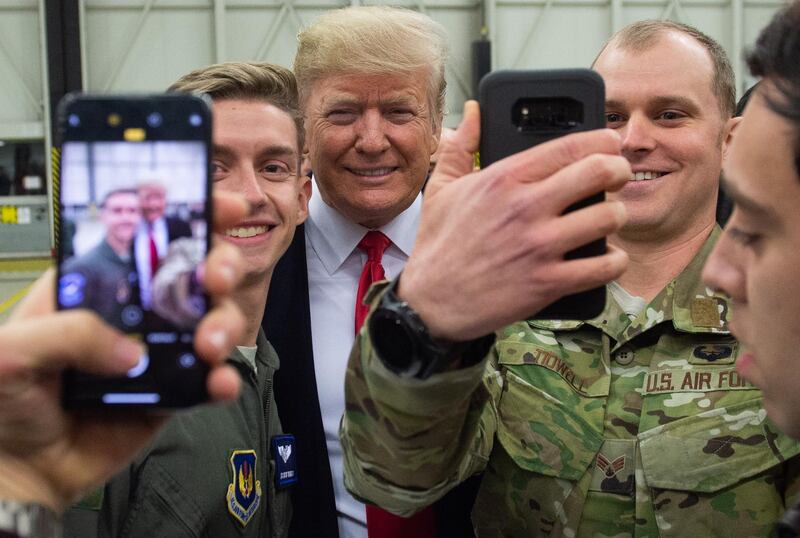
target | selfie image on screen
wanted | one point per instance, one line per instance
(133, 232)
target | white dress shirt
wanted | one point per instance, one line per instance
(334, 266)
(141, 247)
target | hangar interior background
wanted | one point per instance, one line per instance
(49, 47)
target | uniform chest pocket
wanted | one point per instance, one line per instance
(544, 424)
(717, 470)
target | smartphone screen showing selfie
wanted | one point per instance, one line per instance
(133, 223)
(521, 109)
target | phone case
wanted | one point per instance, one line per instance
(520, 109)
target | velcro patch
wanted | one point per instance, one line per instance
(283, 452)
(705, 313)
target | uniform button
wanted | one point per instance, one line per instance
(624, 356)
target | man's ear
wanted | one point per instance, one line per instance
(730, 130)
(303, 196)
(436, 137)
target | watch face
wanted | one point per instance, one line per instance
(392, 343)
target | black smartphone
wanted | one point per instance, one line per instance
(520, 109)
(134, 193)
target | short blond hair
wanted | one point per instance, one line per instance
(641, 35)
(248, 81)
(374, 40)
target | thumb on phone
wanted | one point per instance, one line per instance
(457, 153)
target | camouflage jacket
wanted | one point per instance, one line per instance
(609, 427)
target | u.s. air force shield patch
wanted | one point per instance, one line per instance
(244, 493)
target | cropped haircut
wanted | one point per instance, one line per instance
(776, 57)
(642, 35)
(248, 81)
(115, 192)
(374, 40)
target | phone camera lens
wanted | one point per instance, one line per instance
(74, 120)
(154, 119)
(195, 120)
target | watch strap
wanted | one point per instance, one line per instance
(28, 520)
(431, 355)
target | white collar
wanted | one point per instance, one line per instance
(333, 237)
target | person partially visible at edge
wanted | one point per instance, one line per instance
(756, 259)
(372, 90)
(228, 470)
(49, 457)
(635, 423)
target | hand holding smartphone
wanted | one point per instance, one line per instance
(134, 185)
(520, 109)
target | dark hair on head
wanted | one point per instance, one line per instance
(776, 56)
(741, 104)
(114, 192)
(248, 81)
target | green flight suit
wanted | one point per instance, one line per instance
(609, 427)
(178, 487)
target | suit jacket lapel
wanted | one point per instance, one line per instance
(287, 324)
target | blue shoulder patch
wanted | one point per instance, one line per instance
(244, 491)
(70, 289)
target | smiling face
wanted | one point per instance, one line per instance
(370, 139)
(120, 215)
(756, 261)
(662, 103)
(152, 200)
(255, 154)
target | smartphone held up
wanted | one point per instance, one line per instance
(520, 109)
(134, 218)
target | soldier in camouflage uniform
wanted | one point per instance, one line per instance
(635, 423)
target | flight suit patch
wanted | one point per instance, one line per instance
(283, 453)
(70, 289)
(244, 491)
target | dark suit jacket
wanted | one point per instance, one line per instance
(287, 324)
(177, 228)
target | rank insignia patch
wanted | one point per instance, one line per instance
(244, 493)
(610, 467)
(614, 467)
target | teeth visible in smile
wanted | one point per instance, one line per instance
(246, 231)
(642, 176)
(374, 172)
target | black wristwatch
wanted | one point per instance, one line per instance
(27, 520)
(402, 341)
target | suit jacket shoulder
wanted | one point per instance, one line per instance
(177, 228)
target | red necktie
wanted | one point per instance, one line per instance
(374, 243)
(153, 253)
(380, 523)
